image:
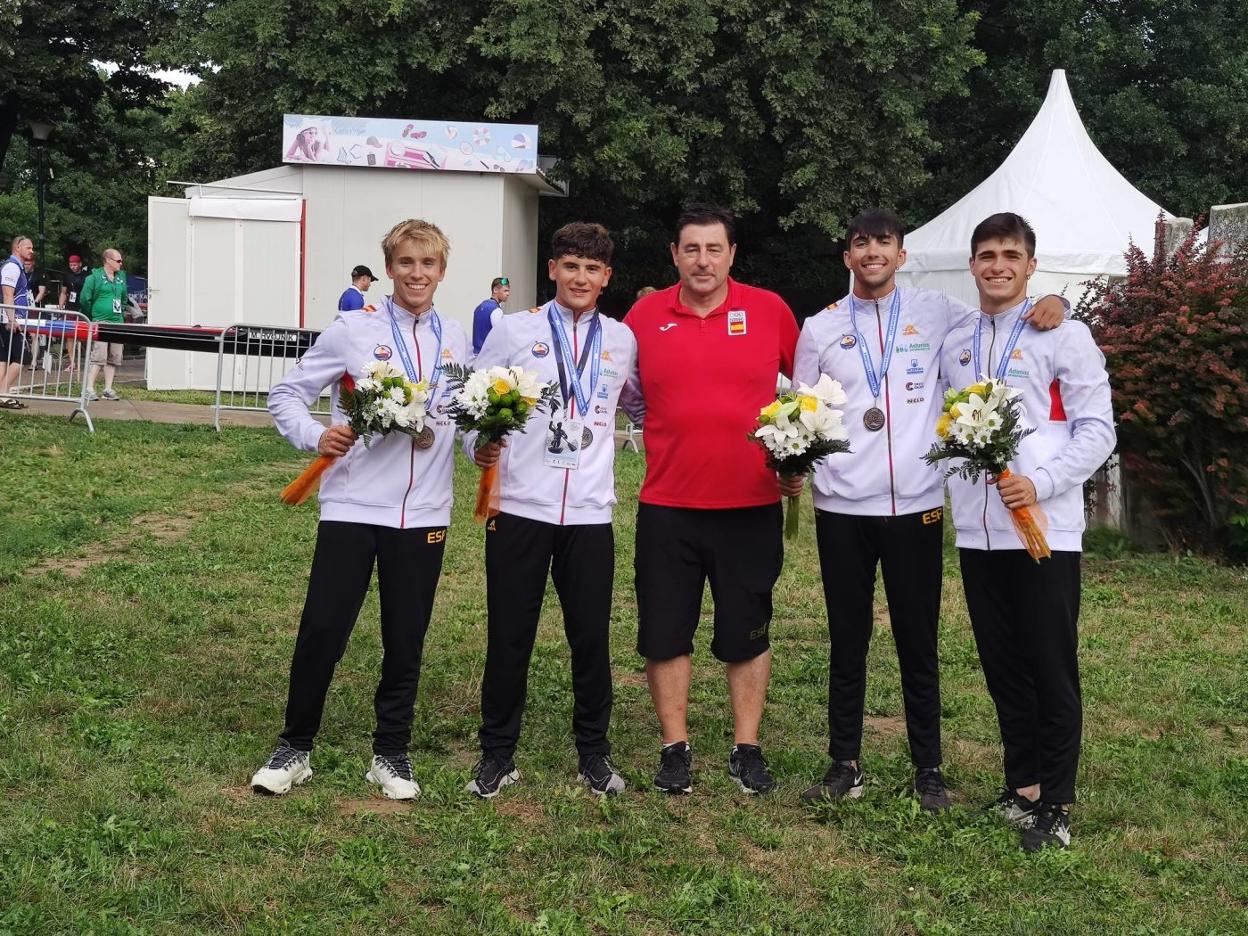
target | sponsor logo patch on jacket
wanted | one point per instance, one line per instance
(848, 341)
(382, 352)
(540, 349)
(965, 357)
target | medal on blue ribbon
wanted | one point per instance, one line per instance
(1004, 364)
(424, 438)
(571, 372)
(873, 418)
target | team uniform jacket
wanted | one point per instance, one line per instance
(391, 483)
(697, 392)
(530, 488)
(883, 474)
(1066, 399)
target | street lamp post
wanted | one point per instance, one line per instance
(39, 132)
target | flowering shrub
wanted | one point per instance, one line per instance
(1175, 338)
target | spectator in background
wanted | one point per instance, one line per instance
(353, 296)
(71, 284)
(487, 314)
(15, 299)
(38, 289)
(645, 291)
(103, 299)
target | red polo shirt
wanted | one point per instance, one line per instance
(703, 381)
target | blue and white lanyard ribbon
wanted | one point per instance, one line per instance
(570, 372)
(436, 324)
(894, 315)
(1004, 363)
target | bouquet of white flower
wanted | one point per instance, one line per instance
(492, 403)
(980, 426)
(800, 428)
(381, 402)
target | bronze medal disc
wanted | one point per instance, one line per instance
(873, 419)
(587, 437)
(424, 438)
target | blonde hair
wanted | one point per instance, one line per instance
(428, 237)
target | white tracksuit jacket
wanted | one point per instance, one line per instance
(1066, 399)
(530, 488)
(391, 483)
(883, 474)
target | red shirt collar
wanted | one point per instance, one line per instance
(722, 309)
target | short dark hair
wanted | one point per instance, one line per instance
(582, 239)
(1005, 225)
(699, 214)
(499, 281)
(875, 222)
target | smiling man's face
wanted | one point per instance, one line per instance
(874, 261)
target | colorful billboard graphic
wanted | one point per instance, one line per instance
(387, 143)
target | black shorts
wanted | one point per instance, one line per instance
(13, 347)
(740, 550)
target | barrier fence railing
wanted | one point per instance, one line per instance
(51, 349)
(251, 359)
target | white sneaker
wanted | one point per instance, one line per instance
(110, 394)
(394, 776)
(91, 396)
(285, 768)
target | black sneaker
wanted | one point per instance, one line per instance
(490, 776)
(1051, 827)
(843, 780)
(1012, 808)
(599, 775)
(675, 762)
(748, 767)
(930, 786)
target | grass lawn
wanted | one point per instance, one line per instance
(150, 592)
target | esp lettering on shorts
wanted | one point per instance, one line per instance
(933, 516)
(436, 536)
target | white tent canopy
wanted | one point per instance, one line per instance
(1084, 212)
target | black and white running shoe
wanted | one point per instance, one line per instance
(1051, 827)
(842, 781)
(748, 767)
(490, 776)
(286, 767)
(675, 764)
(598, 774)
(394, 776)
(929, 784)
(1010, 807)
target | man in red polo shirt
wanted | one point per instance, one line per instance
(709, 350)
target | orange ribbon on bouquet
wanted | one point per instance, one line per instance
(489, 494)
(1029, 524)
(309, 479)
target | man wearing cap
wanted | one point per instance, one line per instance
(353, 296)
(71, 284)
(487, 314)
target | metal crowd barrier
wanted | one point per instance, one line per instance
(55, 358)
(251, 359)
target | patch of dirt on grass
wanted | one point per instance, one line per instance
(239, 794)
(886, 726)
(631, 678)
(526, 811)
(161, 527)
(378, 805)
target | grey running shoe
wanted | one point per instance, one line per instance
(598, 773)
(110, 394)
(1012, 808)
(842, 781)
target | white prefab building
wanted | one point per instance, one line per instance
(277, 247)
(1085, 214)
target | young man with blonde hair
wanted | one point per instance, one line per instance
(388, 504)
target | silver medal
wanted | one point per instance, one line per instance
(873, 419)
(587, 438)
(424, 438)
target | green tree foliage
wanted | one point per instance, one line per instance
(1162, 86)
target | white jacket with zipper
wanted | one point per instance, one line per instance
(391, 482)
(1066, 399)
(530, 488)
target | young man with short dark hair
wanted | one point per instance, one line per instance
(558, 489)
(709, 353)
(881, 504)
(1025, 612)
(386, 504)
(486, 315)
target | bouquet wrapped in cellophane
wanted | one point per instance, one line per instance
(800, 428)
(494, 402)
(980, 426)
(382, 401)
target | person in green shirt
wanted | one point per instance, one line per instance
(102, 299)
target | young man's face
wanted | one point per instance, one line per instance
(703, 258)
(874, 260)
(578, 281)
(1001, 267)
(416, 276)
(75, 266)
(501, 292)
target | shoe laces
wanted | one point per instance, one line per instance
(400, 766)
(487, 766)
(1048, 816)
(751, 757)
(598, 765)
(929, 781)
(282, 757)
(839, 769)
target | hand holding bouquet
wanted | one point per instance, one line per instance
(800, 428)
(384, 400)
(493, 403)
(980, 426)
